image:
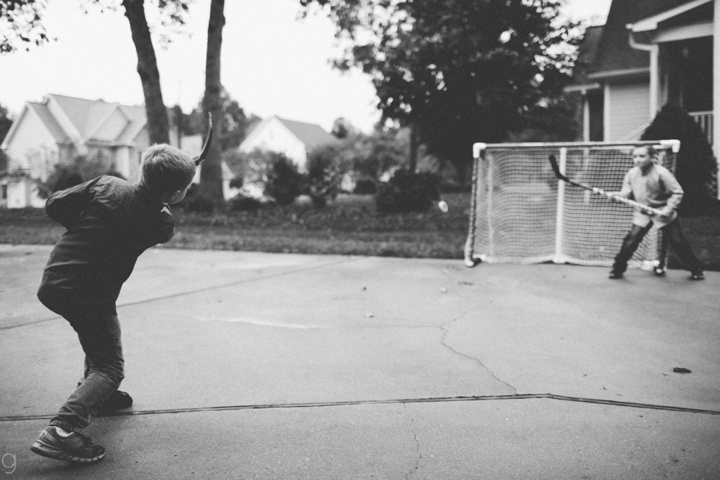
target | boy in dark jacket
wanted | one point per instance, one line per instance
(109, 223)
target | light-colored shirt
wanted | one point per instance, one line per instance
(657, 188)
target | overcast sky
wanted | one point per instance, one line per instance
(272, 63)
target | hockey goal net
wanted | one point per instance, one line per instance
(521, 213)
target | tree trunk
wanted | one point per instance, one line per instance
(147, 68)
(211, 186)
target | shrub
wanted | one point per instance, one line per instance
(199, 203)
(324, 175)
(81, 169)
(284, 181)
(365, 186)
(62, 177)
(243, 203)
(237, 181)
(194, 201)
(696, 168)
(407, 192)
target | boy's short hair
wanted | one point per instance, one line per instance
(166, 169)
(651, 151)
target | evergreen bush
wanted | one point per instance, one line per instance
(407, 192)
(324, 175)
(365, 186)
(284, 182)
(243, 203)
(696, 168)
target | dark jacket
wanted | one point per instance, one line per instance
(109, 223)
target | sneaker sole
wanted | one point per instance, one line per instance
(55, 453)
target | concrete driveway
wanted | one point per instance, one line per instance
(251, 365)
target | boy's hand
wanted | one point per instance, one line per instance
(666, 212)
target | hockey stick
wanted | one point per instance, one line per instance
(208, 140)
(556, 169)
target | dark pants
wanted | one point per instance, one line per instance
(672, 236)
(100, 337)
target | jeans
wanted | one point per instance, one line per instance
(672, 236)
(100, 338)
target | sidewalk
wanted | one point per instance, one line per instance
(251, 365)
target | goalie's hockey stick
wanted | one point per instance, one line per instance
(599, 191)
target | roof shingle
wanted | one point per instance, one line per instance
(614, 51)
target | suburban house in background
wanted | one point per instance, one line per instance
(648, 54)
(58, 130)
(292, 138)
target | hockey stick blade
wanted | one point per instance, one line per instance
(556, 169)
(206, 148)
(560, 176)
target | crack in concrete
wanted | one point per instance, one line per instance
(403, 401)
(418, 452)
(445, 327)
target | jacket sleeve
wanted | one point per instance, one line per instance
(674, 189)
(66, 206)
(626, 190)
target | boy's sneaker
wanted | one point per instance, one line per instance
(697, 275)
(117, 401)
(659, 271)
(615, 275)
(72, 448)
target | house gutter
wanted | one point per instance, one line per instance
(629, 72)
(582, 88)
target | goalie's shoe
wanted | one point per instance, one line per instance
(697, 275)
(71, 448)
(659, 271)
(613, 275)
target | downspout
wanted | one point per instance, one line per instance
(654, 50)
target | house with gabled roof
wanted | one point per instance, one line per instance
(648, 54)
(60, 129)
(292, 138)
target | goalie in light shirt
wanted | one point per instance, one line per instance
(653, 185)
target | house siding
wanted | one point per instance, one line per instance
(112, 127)
(140, 143)
(273, 136)
(32, 149)
(628, 109)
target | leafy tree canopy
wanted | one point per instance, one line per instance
(461, 71)
(21, 21)
(234, 123)
(5, 124)
(21, 24)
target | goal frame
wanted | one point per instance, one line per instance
(480, 186)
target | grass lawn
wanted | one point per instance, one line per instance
(348, 226)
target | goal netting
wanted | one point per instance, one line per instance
(521, 213)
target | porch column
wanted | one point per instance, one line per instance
(586, 116)
(716, 86)
(655, 79)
